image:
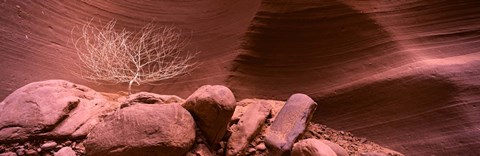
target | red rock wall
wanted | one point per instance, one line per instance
(402, 73)
(36, 37)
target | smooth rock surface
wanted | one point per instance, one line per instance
(340, 151)
(312, 147)
(143, 129)
(48, 145)
(53, 108)
(289, 123)
(212, 107)
(65, 151)
(247, 126)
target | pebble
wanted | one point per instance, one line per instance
(67, 143)
(20, 151)
(48, 145)
(261, 147)
(220, 151)
(251, 150)
(199, 140)
(80, 147)
(31, 152)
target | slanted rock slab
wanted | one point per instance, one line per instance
(312, 147)
(143, 129)
(212, 107)
(248, 126)
(289, 123)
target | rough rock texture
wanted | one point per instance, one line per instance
(312, 147)
(212, 107)
(66, 151)
(53, 108)
(143, 129)
(249, 121)
(289, 123)
(353, 145)
(326, 49)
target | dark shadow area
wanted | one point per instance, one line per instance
(297, 46)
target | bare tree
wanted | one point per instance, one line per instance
(146, 56)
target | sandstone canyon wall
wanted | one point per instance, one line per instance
(405, 74)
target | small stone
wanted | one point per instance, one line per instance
(202, 150)
(9, 154)
(251, 150)
(58, 146)
(66, 151)
(48, 145)
(80, 146)
(18, 147)
(312, 147)
(31, 152)
(258, 139)
(20, 151)
(261, 147)
(199, 140)
(67, 143)
(220, 151)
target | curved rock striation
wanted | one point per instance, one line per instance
(403, 73)
(36, 40)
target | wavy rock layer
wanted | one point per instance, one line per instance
(36, 41)
(403, 73)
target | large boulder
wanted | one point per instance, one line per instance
(212, 107)
(53, 108)
(143, 129)
(249, 121)
(289, 123)
(312, 147)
